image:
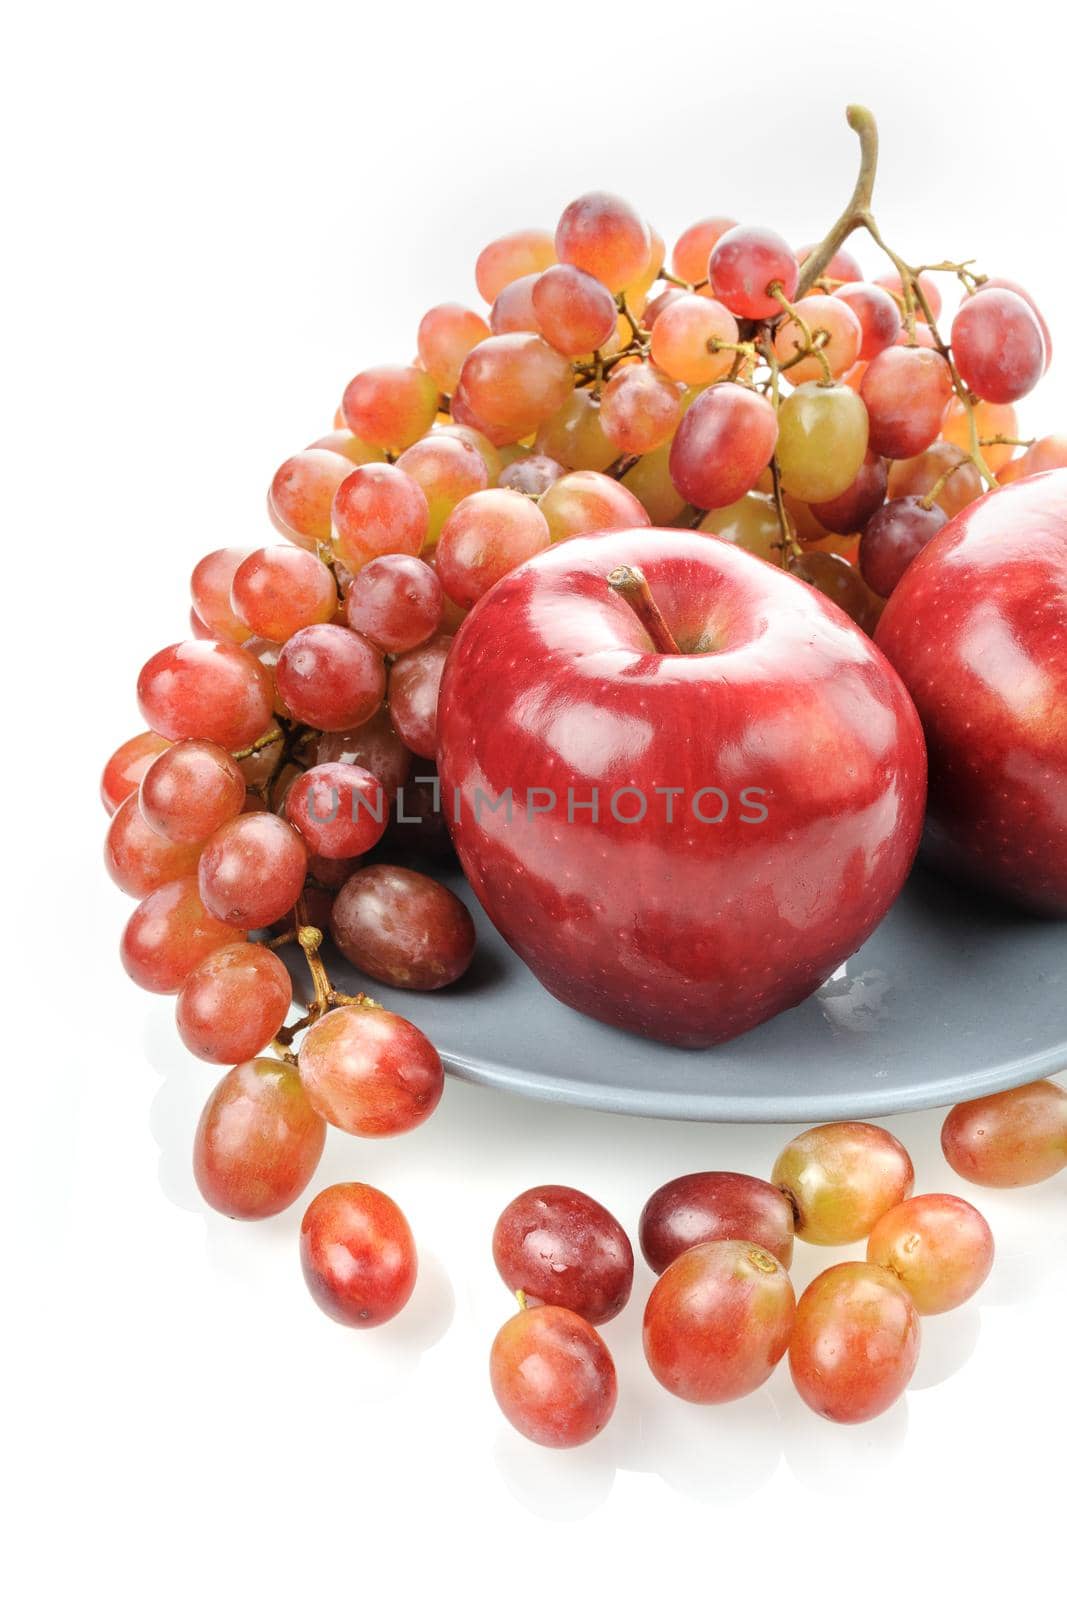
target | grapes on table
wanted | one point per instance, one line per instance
(704, 1206)
(1004, 1141)
(553, 1377)
(358, 1255)
(855, 1342)
(557, 1246)
(840, 1178)
(938, 1245)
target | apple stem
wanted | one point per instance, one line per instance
(632, 585)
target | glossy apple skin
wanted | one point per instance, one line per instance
(686, 931)
(977, 628)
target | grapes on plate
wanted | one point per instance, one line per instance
(403, 928)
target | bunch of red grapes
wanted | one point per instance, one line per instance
(754, 393)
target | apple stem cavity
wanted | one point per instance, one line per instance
(632, 585)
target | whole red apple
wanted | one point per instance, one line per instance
(977, 628)
(686, 843)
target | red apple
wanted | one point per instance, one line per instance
(977, 628)
(760, 793)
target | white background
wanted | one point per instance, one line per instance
(214, 216)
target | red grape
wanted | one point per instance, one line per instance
(379, 510)
(841, 268)
(939, 1247)
(919, 475)
(689, 258)
(370, 1072)
(686, 336)
(890, 282)
(589, 502)
(395, 602)
(357, 1255)
(390, 406)
(252, 870)
(855, 1342)
(723, 443)
(998, 346)
(553, 1377)
(345, 443)
(447, 470)
(893, 538)
(557, 1246)
(905, 390)
(258, 1142)
(718, 1321)
(127, 766)
(604, 236)
(575, 311)
(851, 510)
(447, 334)
(841, 1178)
(374, 745)
(1046, 454)
(745, 263)
(513, 256)
(330, 677)
(705, 1206)
(486, 536)
(512, 383)
(989, 421)
(574, 435)
(138, 858)
(402, 928)
(1016, 288)
(836, 578)
(210, 590)
(169, 935)
(877, 314)
(279, 590)
(414, 683)
(1003, 1141)
(531, 475)
(513, 309)
(301, 495)
(190, 790)
(639, 409)
(231, 1006)
(832, 325)
(338, 809)
(206, 689)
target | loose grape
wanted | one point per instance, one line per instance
(852, 510)
(252, 870)
(589, 502)
(486, 536)
(718, 1321)
(553, 1377)
(557, 1246)
(531, 475)
(447, 335)
(705, 1206)
(206, 689)
(841, 1178)
(139, 859)
(338, 809)
(574, 435)
(689, 258)
(998, 346)
(751, 523)
(402, 928)
(390, 406)
(639, 409)
(745, 263)
(370, 1072)
(231, 1006)
(687, 336)
(576, 313)
(379, 510)
(190, 790)
(258, 1142)
(905, 390)
(209, 587)
(414, 684)
(395, 602)
(127, 766)
(301, 495)
(513, 309)
(168, 936)
(357, 1255)
(893, 538)
(877, 314)
(890, 282)
(604, 236)
(855, 1342)
(278, 590)
(944, 467)
(345, 443)
(939, 1247)
(1003, 1141)
(513, 256)
(723, 443)
(822, 440)
(990, 422)
(330, 677)
(375, 745)
(832, 326)
(1016, 288)
(447, 470)
(512, 383)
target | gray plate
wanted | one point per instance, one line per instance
(951, 998)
